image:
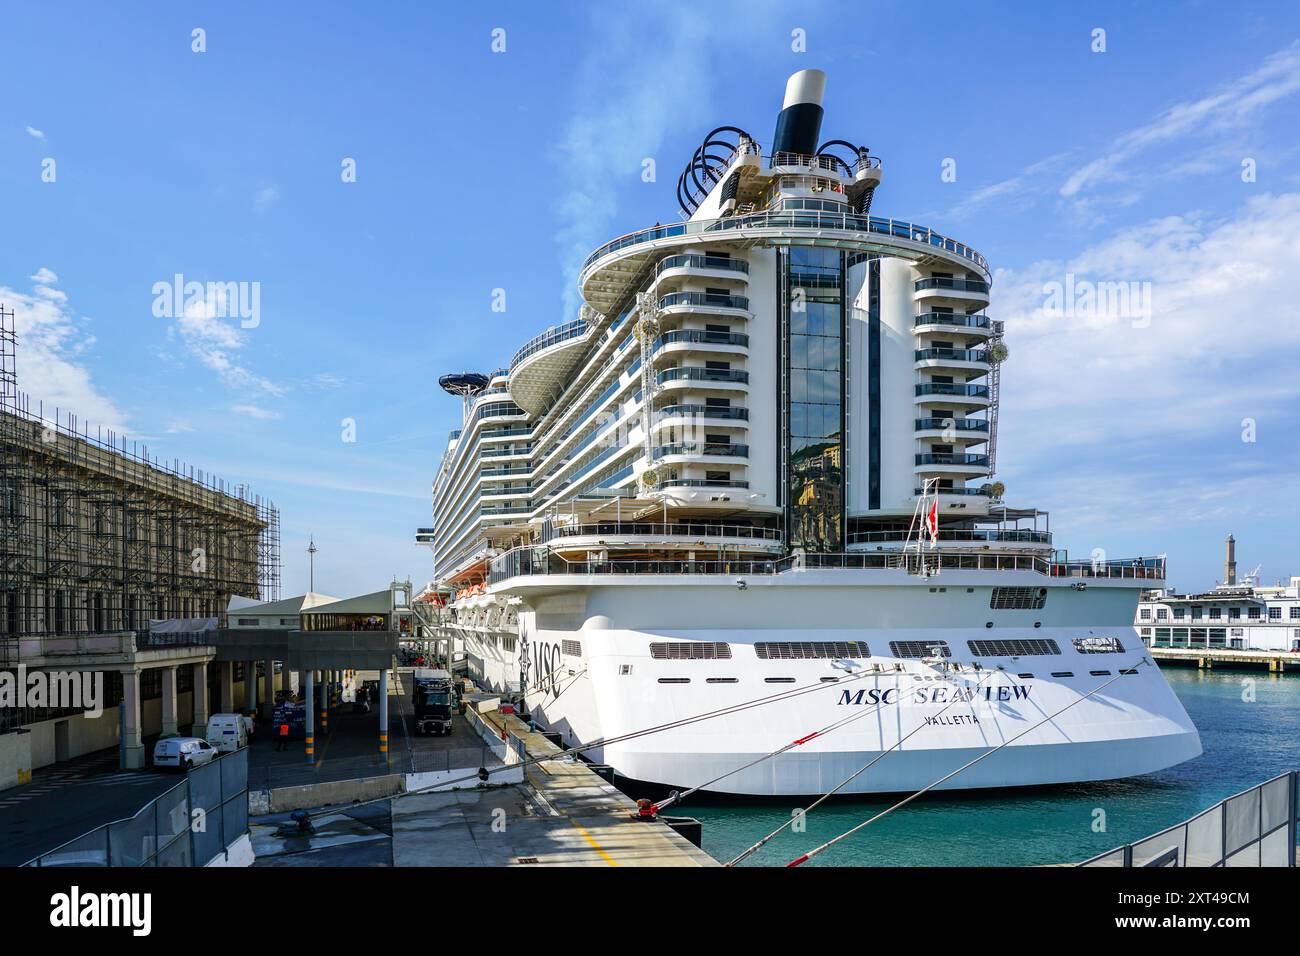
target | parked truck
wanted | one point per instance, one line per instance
(433, 700)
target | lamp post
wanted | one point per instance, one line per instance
(311, 564)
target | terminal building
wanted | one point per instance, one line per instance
(98, 540)
(1235, 615)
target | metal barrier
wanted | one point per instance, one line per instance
(168, 830)
(1257, 827)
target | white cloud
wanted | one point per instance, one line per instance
(35, 133)
(266, 197)
(214, 340)
(254, 411)
(51, 340)
(620, 119)
(1101, 412)
(1233, 106)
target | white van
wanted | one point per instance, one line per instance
(227, 732)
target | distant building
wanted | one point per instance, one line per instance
(1237, 615)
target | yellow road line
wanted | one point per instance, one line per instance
(594, 845)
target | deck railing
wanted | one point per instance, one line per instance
(532, 560)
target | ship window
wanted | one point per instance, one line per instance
(1025, 676)
(722, 680)
(1130, 670)
(1017, 599)
(1099, 673)
(1028, 647)
(1098, 645)
(918, 649)
(571, 648)
(674, 680)
(806, 650)
(778, 680)
(1062, 673)
(690, 651)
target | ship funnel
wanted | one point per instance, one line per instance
(800, 122)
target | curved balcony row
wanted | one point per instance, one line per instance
(701, 337)
(952, 389)
(955, 285)
(702, 262)
(954, 319)
(735, 413)
(952, 458)
(943, 354)
(698, 374)
(603, 287)
(704, 300)
(709, 448)
(956, 424)
(561, 333)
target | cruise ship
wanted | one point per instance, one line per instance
(748, 493)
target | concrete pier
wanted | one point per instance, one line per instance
(1275, 662)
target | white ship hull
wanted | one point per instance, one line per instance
(608, 685)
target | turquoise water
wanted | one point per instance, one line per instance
(1245, 743)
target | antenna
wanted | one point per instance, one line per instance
(311, 563)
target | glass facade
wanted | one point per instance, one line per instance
(814, 335)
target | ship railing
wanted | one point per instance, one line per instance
(553, 336)
(962, 534)
(811, 219)
(700, 531)
(532, 560)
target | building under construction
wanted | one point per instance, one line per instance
(95, 537)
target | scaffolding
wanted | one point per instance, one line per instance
(98, 537)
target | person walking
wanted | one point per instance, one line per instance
(282, 738)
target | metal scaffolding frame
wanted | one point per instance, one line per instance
(98, 537)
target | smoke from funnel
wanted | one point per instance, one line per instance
(800, 123)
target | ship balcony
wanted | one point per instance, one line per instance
(951, 463)
(972, 501)
(688, 415)
(544, 366)
(952, 393)
(705, 303)
(709, 493)
(622, 265)
(824, 165)
(968, 360)
(963, 291)
(701, 266)
(681, 535)
(723, 453)
(953, 323)
(676, 341)
(959, 538)
(695, 377)
(968, 431)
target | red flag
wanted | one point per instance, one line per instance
(932, 522)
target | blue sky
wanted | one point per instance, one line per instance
(478, 171)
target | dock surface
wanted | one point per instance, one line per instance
(1276, 662)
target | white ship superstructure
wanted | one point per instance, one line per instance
(711, 487)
